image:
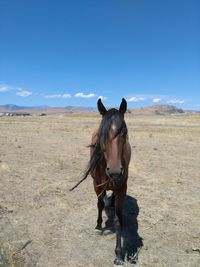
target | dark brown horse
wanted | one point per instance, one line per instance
(110, 154)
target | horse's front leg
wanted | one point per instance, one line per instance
(100, 206)
(119, 199)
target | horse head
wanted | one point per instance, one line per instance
(112, 138)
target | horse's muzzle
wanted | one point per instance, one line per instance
(113, 175)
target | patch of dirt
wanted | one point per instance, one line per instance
(42, 157)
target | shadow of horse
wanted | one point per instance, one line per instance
(132, 242)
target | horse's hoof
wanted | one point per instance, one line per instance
(98, 230)
(107, 231)
(118, 261)
(132, 261)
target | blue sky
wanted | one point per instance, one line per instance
(61, 53)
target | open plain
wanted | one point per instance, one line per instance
(43, 224)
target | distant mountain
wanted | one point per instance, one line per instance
(148, 110)
(12, 107)
(157, 110)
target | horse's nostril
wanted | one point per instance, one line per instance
(114, 175)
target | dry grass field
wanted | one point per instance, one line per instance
(43, 224)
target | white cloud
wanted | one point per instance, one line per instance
(66, 96)
(82, 95)
(18, 91)
(176, 101)
(102, 97)
(23, 93)
(58, 96)
(156, 100)
(4, 88)
(136, 99)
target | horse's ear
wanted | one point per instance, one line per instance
(101, 108)
(123, 106)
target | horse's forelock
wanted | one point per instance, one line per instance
(113, 119)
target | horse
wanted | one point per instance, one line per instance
(110, 154)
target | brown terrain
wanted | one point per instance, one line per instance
(43, 224)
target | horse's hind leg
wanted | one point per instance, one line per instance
(100, 206)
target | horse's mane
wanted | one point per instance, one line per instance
(111, 116)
